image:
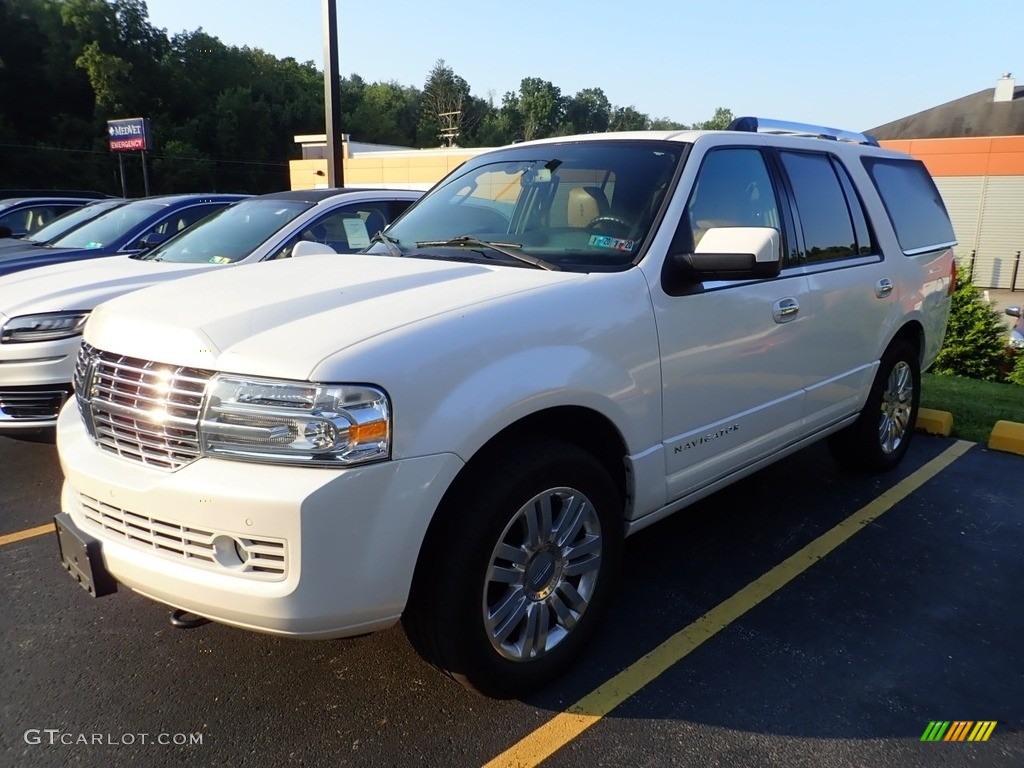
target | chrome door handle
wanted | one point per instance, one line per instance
(883, 287)
(785, 310)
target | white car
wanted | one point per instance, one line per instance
(43, 310)
(561, 343)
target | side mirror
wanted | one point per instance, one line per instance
(311, 248)
(726, 253)
(152, 240)
(1012, 311)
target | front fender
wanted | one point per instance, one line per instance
(457, 379)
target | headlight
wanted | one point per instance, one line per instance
(1016, 340)
(47, 326)
(268, 420)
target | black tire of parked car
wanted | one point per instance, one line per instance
(862, 445)
(481, 520)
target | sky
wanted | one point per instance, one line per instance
(853, 65)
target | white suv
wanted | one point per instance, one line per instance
(563, 342)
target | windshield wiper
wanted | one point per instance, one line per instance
(389, 242)
(503, 248)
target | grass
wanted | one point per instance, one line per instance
(976, 405)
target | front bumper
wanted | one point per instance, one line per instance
(347, 539)
(35, 381)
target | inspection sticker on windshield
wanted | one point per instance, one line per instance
(220, 259)
(603, 241)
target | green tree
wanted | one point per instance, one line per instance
(1017, 374)
(628, 119)
(494, 127)
(664, 124)
(975, 343)
(540, 107)
(718, 122)
(110, 77)
(589, 111)
(382, 116)
(181, 167)
(443, 115)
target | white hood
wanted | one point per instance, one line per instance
(282, 318)
(83, 284)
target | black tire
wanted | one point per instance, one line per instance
(483, 523)
(879, 439)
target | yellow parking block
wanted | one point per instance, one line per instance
(934, 422)
(1007, 436)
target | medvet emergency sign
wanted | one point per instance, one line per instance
(128, 135)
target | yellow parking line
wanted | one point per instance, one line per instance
(10, 538)
(566, 726)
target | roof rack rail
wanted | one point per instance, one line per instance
(762, 125)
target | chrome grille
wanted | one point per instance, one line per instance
(259, 557)
(141, 410)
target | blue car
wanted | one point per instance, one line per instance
(62, 225)
(23, 215)
(132, 228)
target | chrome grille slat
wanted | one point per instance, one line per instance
(141, 414)
(107, 390)
(141, 410)
(116, 426)
(192, 545)
(142, 370)
(125, 432)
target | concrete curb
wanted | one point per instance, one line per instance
(1007, 436)
(934, 422)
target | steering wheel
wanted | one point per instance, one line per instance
(614, 220)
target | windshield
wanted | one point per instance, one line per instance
(230, 234)
(584, 206)
(70, 220)
(110, 226)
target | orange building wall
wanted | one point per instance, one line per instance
(415, 169)
(974, 156)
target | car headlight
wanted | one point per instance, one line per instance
(1016, 340)
(46, 326)
(295, 422)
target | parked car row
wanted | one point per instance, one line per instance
(23, 211)
(51, 283)
(60, 226)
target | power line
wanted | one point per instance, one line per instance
(151, 154)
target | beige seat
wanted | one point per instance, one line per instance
(585, 205)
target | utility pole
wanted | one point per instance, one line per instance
(332, 96)
(449, 128)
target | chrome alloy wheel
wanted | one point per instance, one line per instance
(897, 403)
(542, 574)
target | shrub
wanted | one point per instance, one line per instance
(1017, 374)
(975, 342)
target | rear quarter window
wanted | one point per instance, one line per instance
(913, 203)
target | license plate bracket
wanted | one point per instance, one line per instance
(80, 556)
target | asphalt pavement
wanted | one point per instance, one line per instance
(914, 618)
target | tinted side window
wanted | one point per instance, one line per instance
(179, 221)
(347, 229)
(733, 189)
(865, 241)
(821, 204)
(398, 207)
(914, 205)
